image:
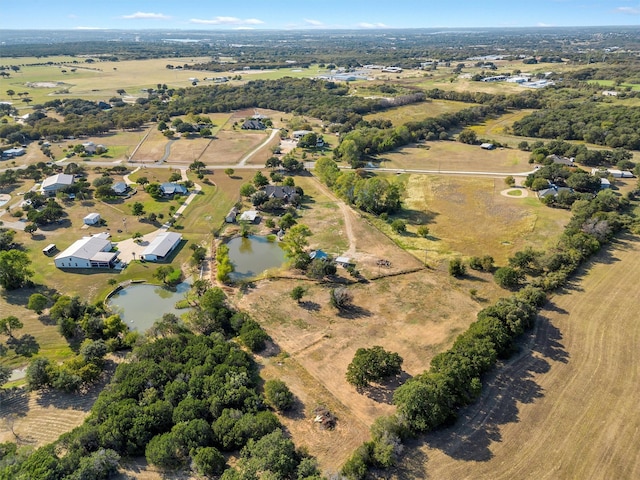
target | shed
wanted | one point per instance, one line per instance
(344, 261)
(92, 219)
(319, 254)
(49, 249)
(604, 183)
(231, 216)
(250, 216)
(487, 146)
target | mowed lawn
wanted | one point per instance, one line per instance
(566, 407)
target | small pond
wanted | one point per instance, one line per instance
(140, 305)
(253, 255)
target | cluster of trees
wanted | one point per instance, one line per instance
(374, 195)
(540, 152)
(181, 401)
(615, 126)
(432, 399)
(373, 365)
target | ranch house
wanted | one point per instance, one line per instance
(161, 246)
(88, 252)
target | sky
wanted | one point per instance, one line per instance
(312, 14)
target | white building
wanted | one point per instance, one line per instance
(251, 216)
(51, 185)
(92, 219)
(88, 252)
(298, 134)
(161, 246)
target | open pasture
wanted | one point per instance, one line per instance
(566, 406)
(455, 156)
(418, 111)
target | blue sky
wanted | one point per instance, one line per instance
(312, 14)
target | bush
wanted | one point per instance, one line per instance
(278, 395)
(399, 226)
(457, 267)
(423, 231)
(484, 264)
(508, 277)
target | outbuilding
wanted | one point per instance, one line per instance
(161, 246)
(487, 146)
(92, 219)
(49, 249)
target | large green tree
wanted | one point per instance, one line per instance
(14, 269)
(373, 365)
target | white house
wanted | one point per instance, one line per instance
(298, 134)
(51, 185)
(88, 252)
(120, 188)
(92, 219)
(161, 246)
(251, 216)
(13, 152)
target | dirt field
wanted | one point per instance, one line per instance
(567, 406)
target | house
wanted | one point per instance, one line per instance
(250, 216)
(88, 252)
(614, 172)
(52, 185)
(120, 188)
(610, 93)
(90, 147)
(553, 191)
(13, 152)
(319, 254)
(253, 125)
(231, 216)
(170, 188)
(487, 146)
(161, 246)
(92, 219)
(558, 160)
(320, 142)
(298, 134)
(344, 261)
(284, 193)
(496, 78)
(604, 183)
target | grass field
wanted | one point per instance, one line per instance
(456, 156)
(419, 111)
(574, 387)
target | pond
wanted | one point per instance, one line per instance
(253, 255)
(140, 305)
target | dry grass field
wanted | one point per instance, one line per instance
(455, 156)
(566, 407)
(420, 111)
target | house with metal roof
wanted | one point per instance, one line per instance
(88, 252)
(52, 185)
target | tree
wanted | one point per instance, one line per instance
(286, 221)
(297, 293)
(509, 181)
(5, 374)
(246, 190)
(11, 93)
(14, 269)
(259, 180)
(373, 365)
(399, 226)
(38, 374)
(37, 303)
(163, 273)
(508, 277)
(340, 298)
(468, 136)
(209, 461)
(137, 209)
(295, 241)
(30, 228)
(457, 267)
(278, 395)
(229, 172)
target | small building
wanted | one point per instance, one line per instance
(253, 125)
(604, 183)
(49, 249)
(558, 160)
(487, 146)
(120, 188)
(231, 216)
(251, 216)
(88, 252)
(298, 134)
(161, 246)
(92, 219)
(52, 185)
(343, 261)
(170, 188)
(553, 191)
(13, 152)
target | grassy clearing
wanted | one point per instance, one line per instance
(455, 156)
(408, 113)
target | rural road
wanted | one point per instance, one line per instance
(244, 159)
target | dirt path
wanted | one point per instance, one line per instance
(567, 406)
(246, 158)
(347, 213)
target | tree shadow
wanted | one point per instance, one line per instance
(26, 345)
(309, 305)
(14, 401)
(383, 392)
(353, 311)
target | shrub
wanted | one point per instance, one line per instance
(399, 226)
(423, 231)
(278, 395)
(508, 277)
(457, 267)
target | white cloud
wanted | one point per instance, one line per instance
(371, 25)
(628, 10)
(313, 23)
(226, 21)
(146, 16)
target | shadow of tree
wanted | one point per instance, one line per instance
(383, 392)
(309, 305)
(26, 345)
(353, 311)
